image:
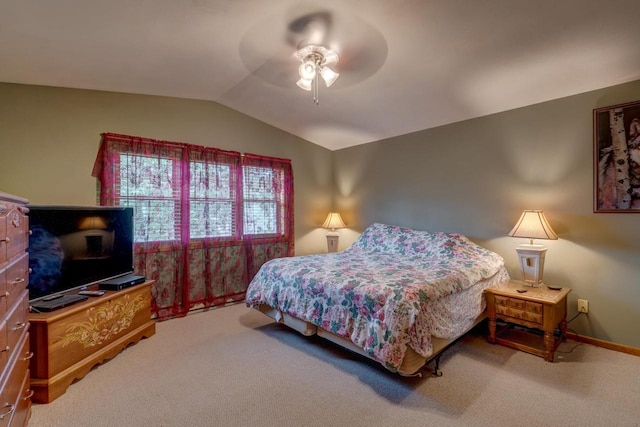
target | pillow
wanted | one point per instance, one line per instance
(393, 239)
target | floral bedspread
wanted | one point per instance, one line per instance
(375, 293)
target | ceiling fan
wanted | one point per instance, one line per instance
(301, 46)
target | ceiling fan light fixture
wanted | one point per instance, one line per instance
(330, 58)
(304, 84)
(316, 60)
(329, 76)
(307, 70)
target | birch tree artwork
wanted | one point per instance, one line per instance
(617, 152)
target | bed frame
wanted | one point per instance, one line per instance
(412, 363)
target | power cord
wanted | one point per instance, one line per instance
(574, 317)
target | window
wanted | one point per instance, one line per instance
(228, 195)
(263, 200)
(205, 219)
(147, 185)
(212, 200)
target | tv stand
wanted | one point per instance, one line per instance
(69, 342)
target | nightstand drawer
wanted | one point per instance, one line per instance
(500, 300)
(533, 307)
(514, 314)
(518, 304)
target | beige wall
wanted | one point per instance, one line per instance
(49, 138)
(475, 177)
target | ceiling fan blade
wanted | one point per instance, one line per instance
(268, 48)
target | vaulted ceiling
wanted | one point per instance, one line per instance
(405, 65)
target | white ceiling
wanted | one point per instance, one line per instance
(405, 65)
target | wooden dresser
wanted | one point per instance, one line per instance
(15, 392)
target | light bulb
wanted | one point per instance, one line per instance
(307, 70)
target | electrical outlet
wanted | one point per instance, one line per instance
(583, 306)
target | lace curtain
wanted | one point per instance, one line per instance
(205, 219)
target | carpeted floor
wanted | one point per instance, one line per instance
(233, 367)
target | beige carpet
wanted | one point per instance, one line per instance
(234, 367)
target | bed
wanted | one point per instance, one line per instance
(397, 295)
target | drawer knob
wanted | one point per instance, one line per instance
(18, 326)
(6, 239)
(6, 411)
(19, 280)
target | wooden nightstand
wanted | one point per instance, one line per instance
(540, 308)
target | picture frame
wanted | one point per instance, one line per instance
(616, 158)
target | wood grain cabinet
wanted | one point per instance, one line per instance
(539, 308)
(15, 392)
(70, 341)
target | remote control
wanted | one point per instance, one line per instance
(91, 293)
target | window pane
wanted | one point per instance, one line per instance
(146, 177)
(258, 183)
(212, 200)
(210, 181)
(146, 184)
(262, 200)
(154, 219)
(211, 219)
(260, 218)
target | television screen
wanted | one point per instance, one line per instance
(73, 247)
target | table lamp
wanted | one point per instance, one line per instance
(532, 225)
(333, 222)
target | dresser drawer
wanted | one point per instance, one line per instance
(15, 393)
(5, 351)
(16, 279)
(23, 404)
(17, 322)
(3, 291)
(13, 230)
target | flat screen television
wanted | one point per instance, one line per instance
(72, 247)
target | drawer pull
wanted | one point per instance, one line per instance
(5, 294)
(29, 394)
(16, 281)
(6, 412)
(18, 326)
(28, 355)
(7, 348)
(6, 239)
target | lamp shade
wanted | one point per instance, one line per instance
(92, 223)
(333, 221)
(533, 225)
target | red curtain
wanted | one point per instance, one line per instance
(205, 219)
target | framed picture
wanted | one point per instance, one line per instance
(616, 158)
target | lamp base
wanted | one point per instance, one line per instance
(531, 259)
(332, 242)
